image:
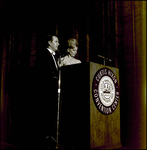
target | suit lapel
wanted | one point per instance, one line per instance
(54, 60)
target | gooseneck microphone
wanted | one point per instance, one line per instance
(105, 58)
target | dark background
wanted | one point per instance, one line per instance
(113, 29)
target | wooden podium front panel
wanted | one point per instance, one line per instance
(104, 129)
(81, 123)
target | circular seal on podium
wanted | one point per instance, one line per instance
(105, 91)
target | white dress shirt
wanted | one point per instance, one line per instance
(53, 53)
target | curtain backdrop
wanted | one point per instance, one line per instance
(113, 29)
(131, 46)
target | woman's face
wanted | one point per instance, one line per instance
(73, 51)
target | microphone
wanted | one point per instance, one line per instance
(104, 58)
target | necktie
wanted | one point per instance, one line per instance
(53, 55)
(55, 62)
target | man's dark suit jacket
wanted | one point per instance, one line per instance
(33, 93)
(47, 94)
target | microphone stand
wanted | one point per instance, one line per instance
(59, 96)
(104, 58)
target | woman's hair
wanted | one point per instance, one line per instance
(72, 41)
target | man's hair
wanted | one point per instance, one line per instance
(70, 41)
(50, 37)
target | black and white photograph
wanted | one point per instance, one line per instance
(73, 74)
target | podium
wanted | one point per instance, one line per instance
(82, 125)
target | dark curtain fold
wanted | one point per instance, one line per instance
(113, 29)
(131, 48)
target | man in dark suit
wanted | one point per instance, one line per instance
(47, 96)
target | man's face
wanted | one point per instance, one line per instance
(54, 43)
